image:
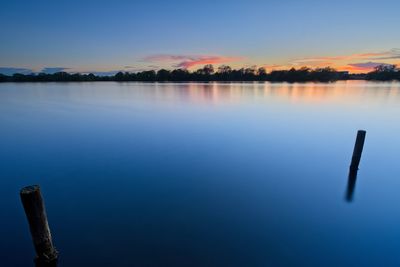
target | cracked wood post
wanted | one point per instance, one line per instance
(46, 254)
(358, 148)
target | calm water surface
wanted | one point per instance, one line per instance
(254, 175)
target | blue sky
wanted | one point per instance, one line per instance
(116, 35)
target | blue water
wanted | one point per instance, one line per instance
(241, 174)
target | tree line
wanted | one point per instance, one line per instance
(208, 73)
(384, 73)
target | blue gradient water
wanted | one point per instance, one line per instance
(248, 174)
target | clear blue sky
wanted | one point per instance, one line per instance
(132, 35)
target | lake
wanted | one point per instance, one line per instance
(202, 174)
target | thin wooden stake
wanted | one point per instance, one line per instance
(358, 148)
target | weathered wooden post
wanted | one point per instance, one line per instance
(46, 254)
(358, 148)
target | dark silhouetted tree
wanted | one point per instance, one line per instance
(384, 73)
(163, 75)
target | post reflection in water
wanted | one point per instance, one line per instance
(351, 185)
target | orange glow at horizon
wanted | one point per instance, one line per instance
(349, 68)
(353, 63)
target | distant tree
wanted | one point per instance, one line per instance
(180, 75)
(163, 75)
(304, 74)
(18, 77)
(224, 73)
(384, 73)
(249, 73)
(146, 76)
(324, 74)
(3, 78)
(91, 77)
(62, 76)
(386, 68)
(208, 69)
(203, 74)
(119, 76)
(224, 69)
(262, 73)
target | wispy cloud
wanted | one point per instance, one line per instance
(51, 70)
(363, 66)
(103, 73)
(11, 71)
(392, 54)
(189, 61)
(385, 55)
(135, 69)
(357, 62)
(367, 65)
(274, 67)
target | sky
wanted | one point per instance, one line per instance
(104, 37)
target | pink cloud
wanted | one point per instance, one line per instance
(367, 65)
(274, 66)
(364, 66)
(189, 61)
